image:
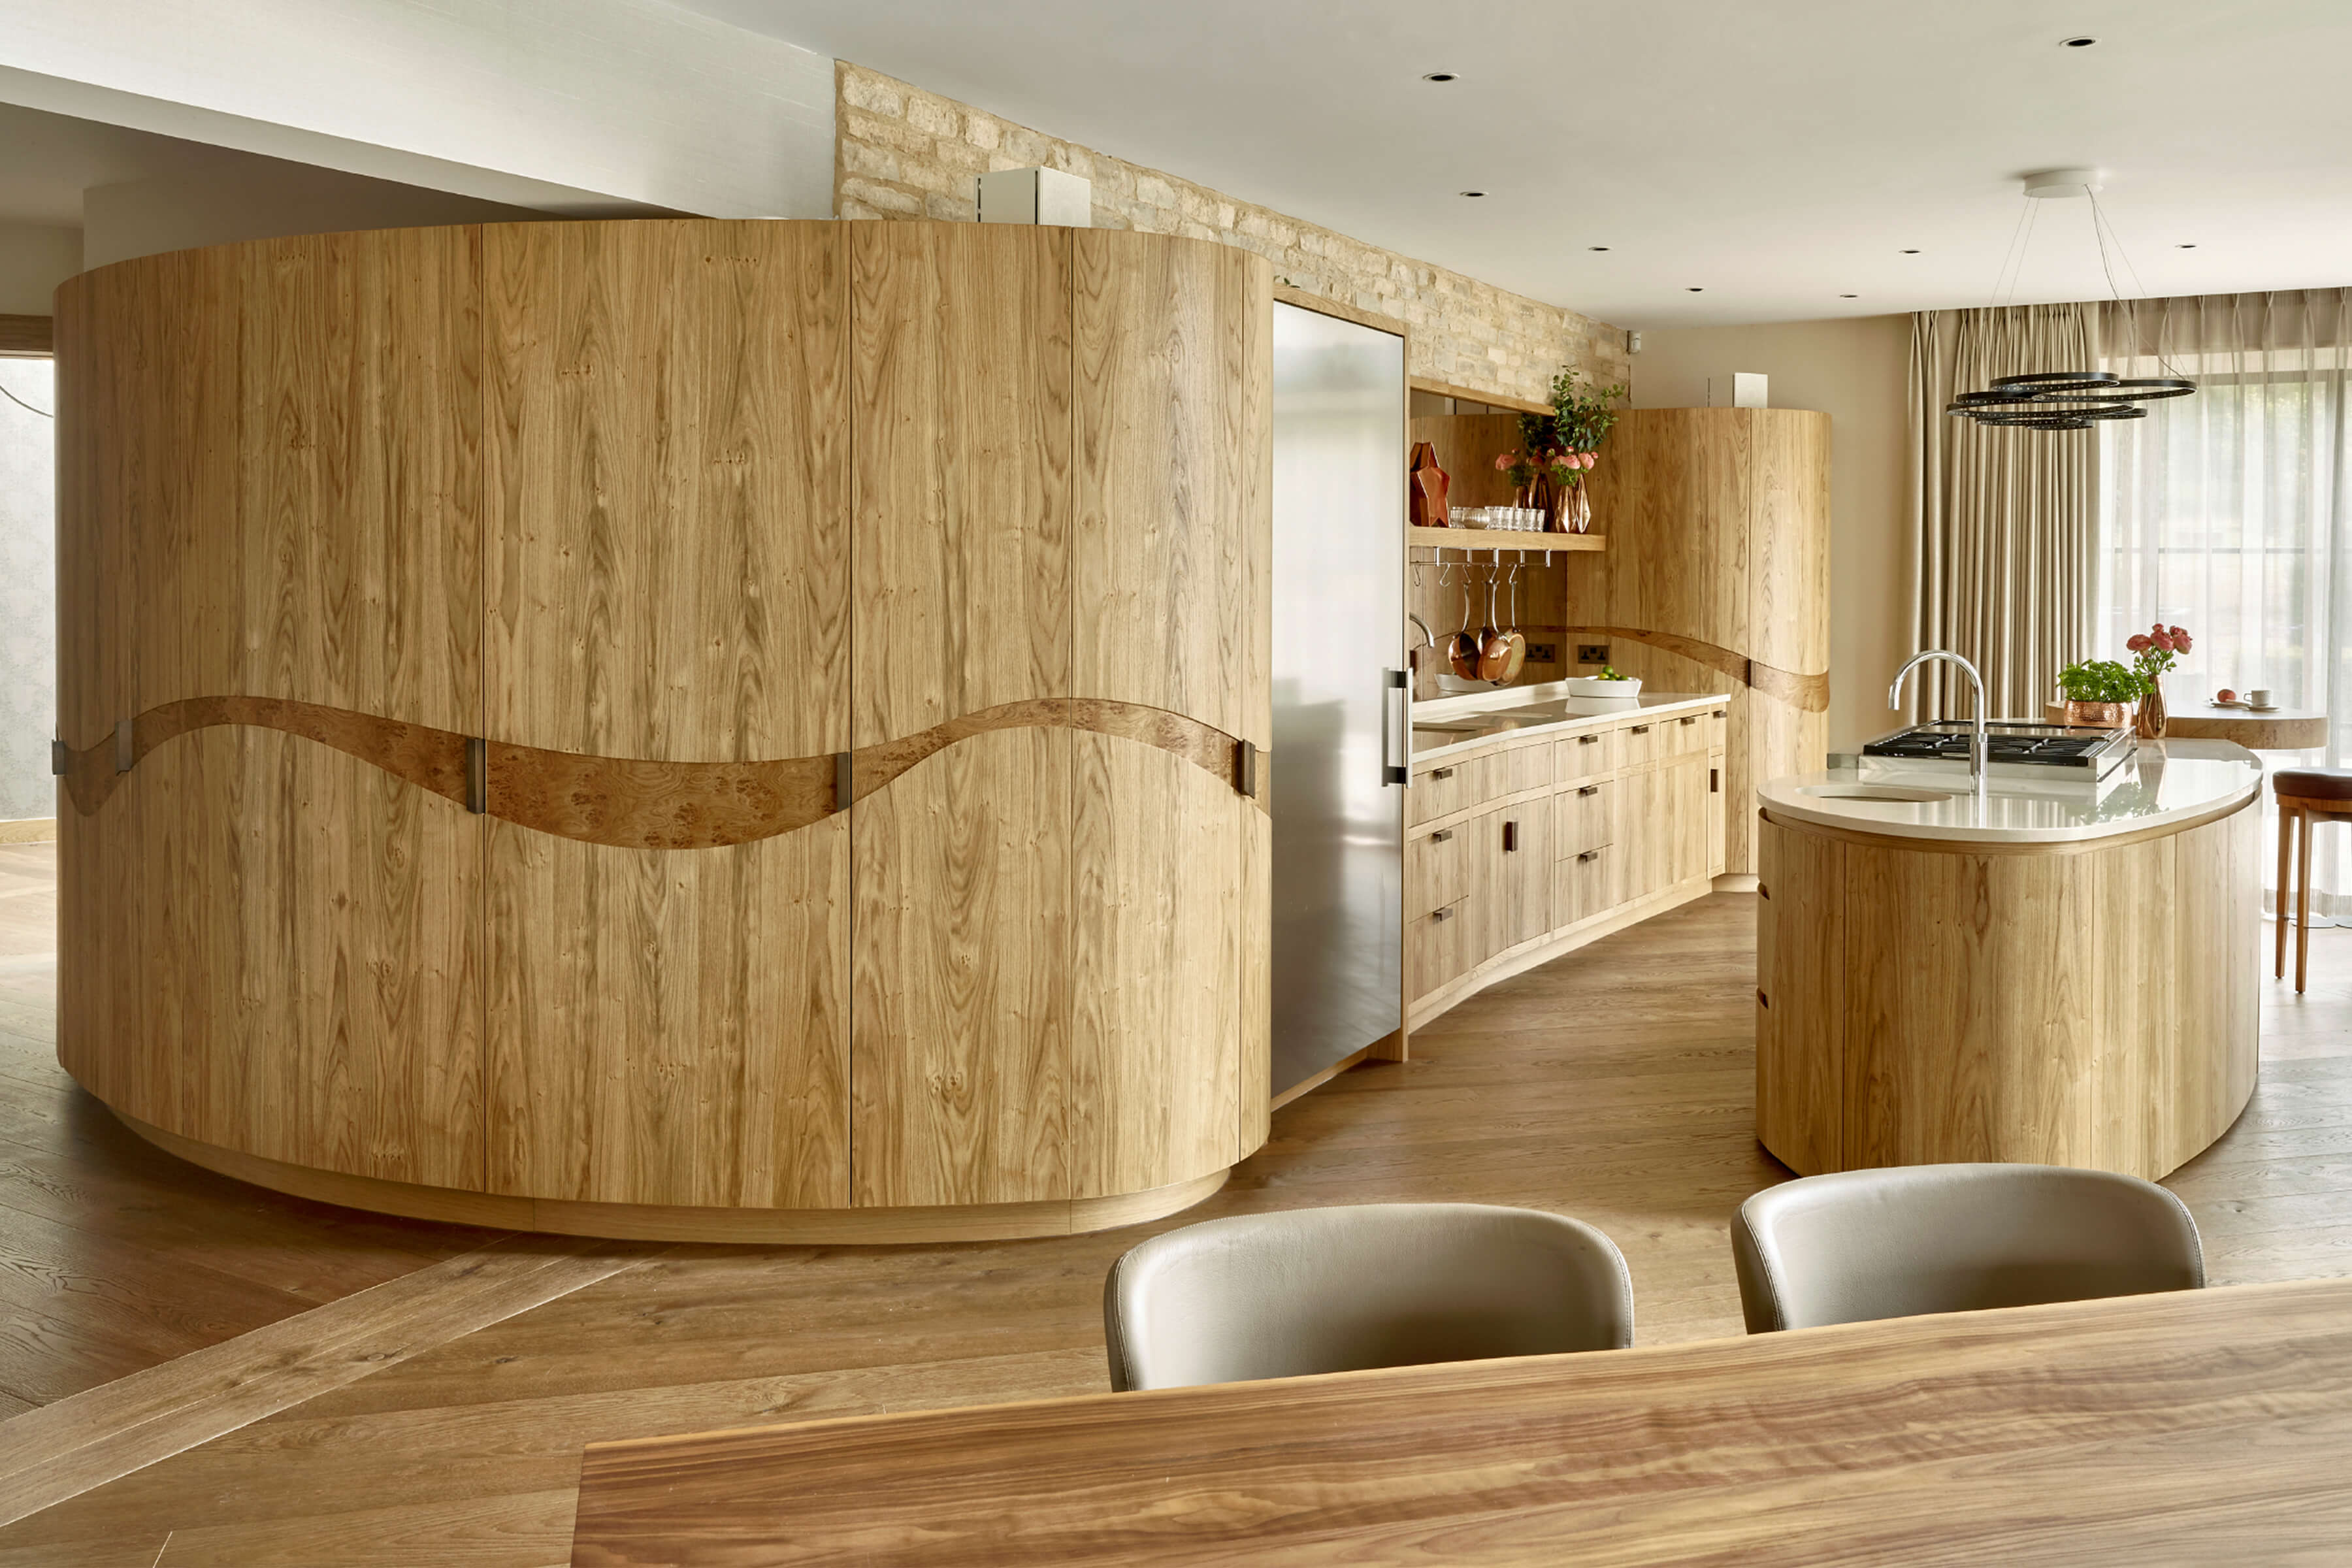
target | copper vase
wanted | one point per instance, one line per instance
(2149, 723)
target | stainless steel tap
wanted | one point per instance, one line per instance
(1977, 741)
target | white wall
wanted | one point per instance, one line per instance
(261, 198)
(568, 106)
(33, 260)
(1857, 371)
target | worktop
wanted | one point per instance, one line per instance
(1452, 726)
(2165, 783)
(2053, 972)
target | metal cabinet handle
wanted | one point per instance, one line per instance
(1436, 773)
(1589, 854)
(1714, 781)
(1589, 789)
(1441, 836)
(1396, 737)
(1510, 838)
(1436, 915)
(1692, 720)
(1588, 740)
(1639, 729)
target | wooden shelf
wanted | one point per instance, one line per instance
(1503, 539)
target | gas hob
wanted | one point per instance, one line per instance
(2013, 748)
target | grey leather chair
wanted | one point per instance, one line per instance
(1337, 1290)
(1892, 1243)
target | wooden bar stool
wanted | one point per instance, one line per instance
(2304, 795)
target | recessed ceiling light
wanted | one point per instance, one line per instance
(1439, 76)
(1848, 295)
(1596, 248)
(2076, 43)
(2189, 246)
(1473, 193)
(1698, 291)
(1911, 253)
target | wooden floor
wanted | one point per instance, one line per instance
(1614, 1084)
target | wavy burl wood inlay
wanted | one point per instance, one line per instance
(1808, 692)
(634, 803)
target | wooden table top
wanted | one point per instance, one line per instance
(2280, 730)
(2200, 1427)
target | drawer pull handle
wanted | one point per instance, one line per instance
(1588, 740)
(1714, 781)
(1763, 892)
(1441, 836)
(1692, 720)
(1763, 1001)
(1639, 729)
(1436, 915)
(1510, 838)
(1436, 773)
(1589, 789)
(1589, 854)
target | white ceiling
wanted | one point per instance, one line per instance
(1777, 154)
(47, 161)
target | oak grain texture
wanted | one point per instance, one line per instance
(28, 337)
(2124, 1431)
(1717, 579)
(2095, 1009)
(668, 491)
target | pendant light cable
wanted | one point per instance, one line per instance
(25, 405)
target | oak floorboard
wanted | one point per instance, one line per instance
(1614, 1083)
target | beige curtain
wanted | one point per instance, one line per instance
(2004, 523)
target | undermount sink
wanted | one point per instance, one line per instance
(1894, 793)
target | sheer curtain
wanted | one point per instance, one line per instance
(2227, 512)
(2004, 521)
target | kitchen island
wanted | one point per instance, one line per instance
(2055, 972)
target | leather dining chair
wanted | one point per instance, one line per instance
(1338, 1290)
(1908, 1239)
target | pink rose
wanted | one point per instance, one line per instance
(1502, 462)
(2163, 643)
(2180, 641)
(2176, 633)
(2136, 642)
(1590, 458)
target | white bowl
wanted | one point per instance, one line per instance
(1593, 686)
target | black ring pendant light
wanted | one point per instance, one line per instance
(2066, 399)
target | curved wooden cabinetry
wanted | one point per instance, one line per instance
(1717, 579)
(2092, 1003)
(686, 727)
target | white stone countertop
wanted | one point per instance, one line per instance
(2164, 781)
(1448, 726)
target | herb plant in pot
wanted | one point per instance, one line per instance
(2099, 691)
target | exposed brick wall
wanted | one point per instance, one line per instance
(902, 152)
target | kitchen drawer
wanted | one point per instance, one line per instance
(1686, 732)
(1582, 756)
(1644, 742)
(1585, 816)
(1436, 949)
(1437, 868)
(1588, 883)
(1520, 768)
(1448, 787)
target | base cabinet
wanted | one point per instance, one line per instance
(1528, 843)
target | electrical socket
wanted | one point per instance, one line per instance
(1592, 653)
(1543, 653)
